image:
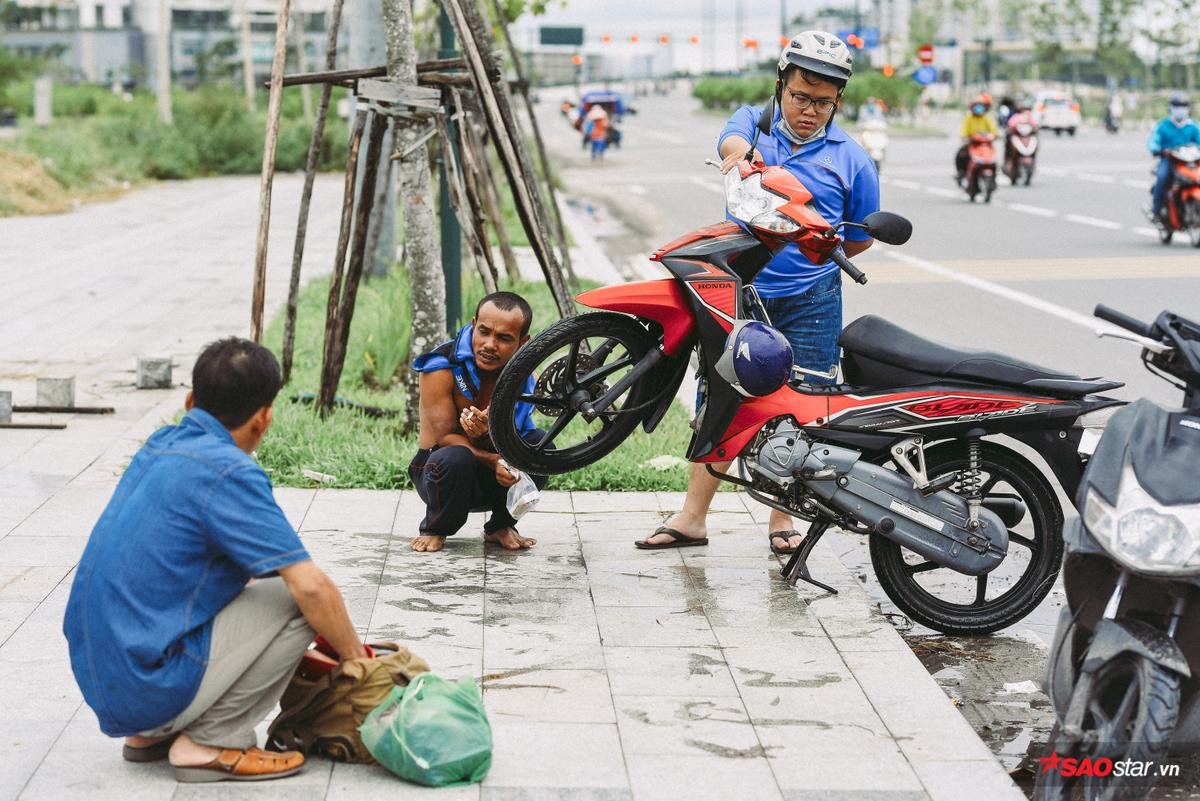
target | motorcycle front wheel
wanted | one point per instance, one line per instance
(1132, 709)
(575, 361)
(953, 603)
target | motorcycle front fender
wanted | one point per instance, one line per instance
(673, 379)
(1059, 680)
(1112, 638)
(659, 300)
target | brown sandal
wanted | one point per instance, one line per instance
(250, 765)
(786, 536)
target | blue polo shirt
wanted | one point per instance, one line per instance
(841, 177)
(192, 520)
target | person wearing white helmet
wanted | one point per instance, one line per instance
(803, 299)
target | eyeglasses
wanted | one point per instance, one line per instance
(803, 101)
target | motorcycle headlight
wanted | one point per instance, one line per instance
(1141, 533)
(747, 199)
(775, 222)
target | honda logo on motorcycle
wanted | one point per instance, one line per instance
(977, 408)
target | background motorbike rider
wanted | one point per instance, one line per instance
(803, 299)
(1022, 115)
(976, 121)
(1174, 130)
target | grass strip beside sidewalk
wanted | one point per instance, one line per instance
(372, 453)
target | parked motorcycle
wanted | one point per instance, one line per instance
(1123, 668)
(965, 532)
(981, 167)
(1182, 205)
(1021, 153)
(874, 139)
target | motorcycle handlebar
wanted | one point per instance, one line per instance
(840, 260)
(1124, 321)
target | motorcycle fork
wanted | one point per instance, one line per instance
(1072, 727)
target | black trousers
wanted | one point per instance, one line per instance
(453, 484)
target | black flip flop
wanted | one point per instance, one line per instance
(785, 536)
(678, 540)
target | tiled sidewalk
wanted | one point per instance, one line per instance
(607, 672)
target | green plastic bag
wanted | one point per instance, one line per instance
(432, 732)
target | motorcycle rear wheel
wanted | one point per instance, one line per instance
(1141, 733)
(548, 356)
(934, 596)
(989, 187)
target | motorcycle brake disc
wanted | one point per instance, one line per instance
(552, 381)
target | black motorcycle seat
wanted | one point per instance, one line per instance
(881, 353)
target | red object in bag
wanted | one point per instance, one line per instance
(321, 658)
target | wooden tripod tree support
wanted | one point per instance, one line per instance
(523, 86)
(310, 174)
(463, 199)
(340, 309)
(268, 171)
(506, 133)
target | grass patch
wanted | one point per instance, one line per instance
(373, 453)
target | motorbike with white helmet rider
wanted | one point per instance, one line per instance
(803, 299)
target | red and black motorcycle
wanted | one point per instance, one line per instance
(981, 167)
(965, 532)
(1020, 152)
(1181, 209)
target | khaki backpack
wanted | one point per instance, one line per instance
(322, 715)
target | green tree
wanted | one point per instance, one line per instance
(14, 68)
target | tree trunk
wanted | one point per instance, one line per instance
(427, 288)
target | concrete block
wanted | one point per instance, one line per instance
(153, 373)
(5, 406)
(56, 391)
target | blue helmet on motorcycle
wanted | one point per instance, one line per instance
(757, 359)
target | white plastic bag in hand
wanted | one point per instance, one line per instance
(522, 496)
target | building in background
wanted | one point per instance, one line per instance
(114, 41)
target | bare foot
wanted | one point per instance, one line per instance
(187, 753)
(509, 539)
(428, 543)
(688, 528)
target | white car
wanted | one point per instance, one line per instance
(1057, 111)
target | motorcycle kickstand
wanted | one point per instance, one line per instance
(796, 568)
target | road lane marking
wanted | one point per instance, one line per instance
(1144, 231)
(1040, 211)
(638, 189)
(1108, 225)
(903, 184)
(1136, 184)
(941, 192)
(698, 181)
(1025, 299)
(1052, 170)
(1096, 177)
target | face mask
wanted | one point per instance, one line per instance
(1179, 113)
(978, 110)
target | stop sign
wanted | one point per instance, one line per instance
(925, 54)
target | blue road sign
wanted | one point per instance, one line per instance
(925, 75)
(870, 36)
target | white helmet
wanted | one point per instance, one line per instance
(819, 52)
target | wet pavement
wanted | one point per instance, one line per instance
(607, 672)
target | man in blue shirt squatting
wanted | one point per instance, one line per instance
(456, 469)
(194, 599)
(803, 300)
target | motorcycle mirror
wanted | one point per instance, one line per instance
(765, 121)
(891, 229)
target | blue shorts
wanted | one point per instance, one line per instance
(812, 323)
